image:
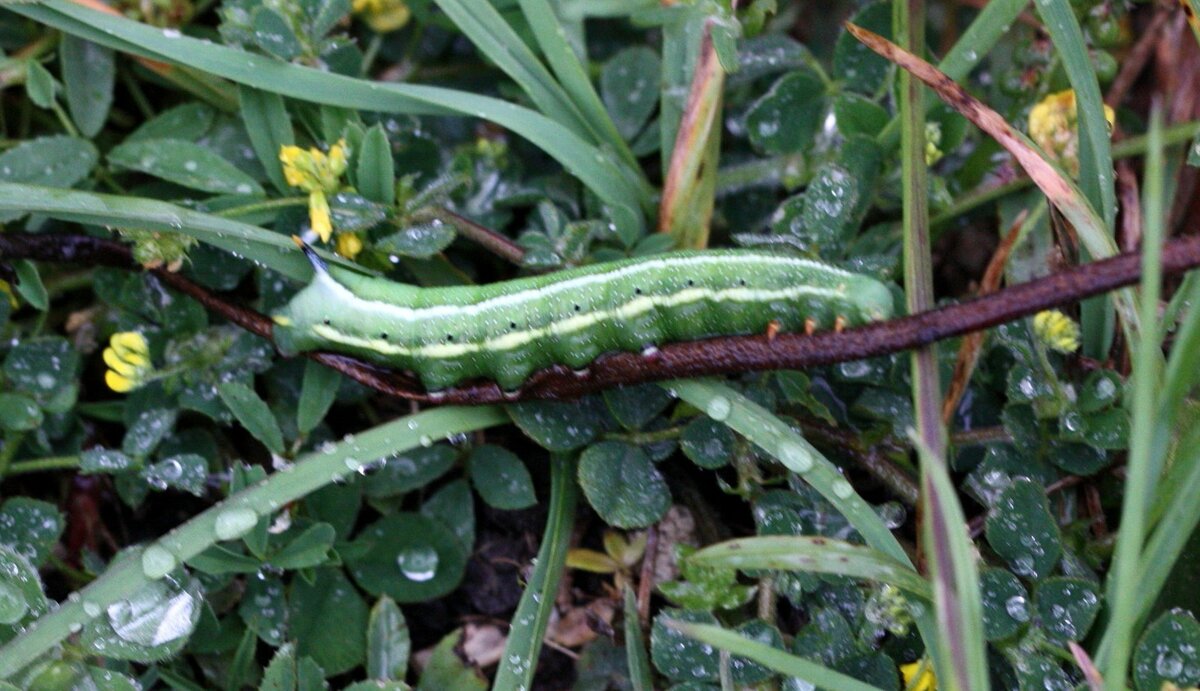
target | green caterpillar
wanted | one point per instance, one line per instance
(506, 331)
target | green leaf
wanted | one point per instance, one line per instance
(629, 88)
(622, 484)
(274, 34)
(187, 472)
(388, 643)
(58, 161)
(89, 74)
(420, 240)
(254, 414)
(351, 212)
(264, 609)
(708, 443)
(101, 460)
(31, 527)
(186, 164)
(641, 675)
(409, 557)
(47, 369)
(329, 598)
(1005, 603)
(635, 406)
(858, 115)
(675, 655)
(188, 122)
(19, 413)
(745, 670)
(309, 548)
(148, 430)
(39, 84)
(453, 507)
(376, 172)
(22, 596)
(29, 284)
(1021, 529)
(153, 623)
(856, 65)
(446, 669)
(280, 674)
(318, 390)
(409, 470)
(1067, 607)
(1169, 651)
(501, 479)
(784, 120)
(559, 426)
(270, 129)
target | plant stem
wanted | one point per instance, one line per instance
(40, 464)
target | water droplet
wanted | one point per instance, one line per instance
(92, 609)
(157, 562)
(1168, 664)
(235, 522)
(719, 408)
(418, 563)
(1017, 608)
(12, 603)
(795, 457)
(842, 489)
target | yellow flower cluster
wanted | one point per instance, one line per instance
(1057, 330)
(128, 360)
(1053, 125)
(319, 174)
(383, 15)
(918, 676)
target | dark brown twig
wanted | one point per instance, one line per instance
(724, 355)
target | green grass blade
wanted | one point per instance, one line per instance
(957, 601)
(1095, 145)
(310, 473)
(519, 661)
(641, 675)
(1125, 588)
(778, 439)
(492, 36)
(813, 555)
(581, 158)
(269, 128)
(273, 250)
(573, 76)
(773, 658)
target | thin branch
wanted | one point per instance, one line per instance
(714, 356)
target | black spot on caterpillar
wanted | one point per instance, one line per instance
(506, 331)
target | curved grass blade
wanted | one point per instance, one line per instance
(310, 473)
(1056, 185)
(273, 250)
(583, 160)
(958, 605)
(519, 661)
(813, 555)
(640, 673)
(773, 658)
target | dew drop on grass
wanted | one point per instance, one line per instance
(157, 562)
(719, 408)
(795, 457)
(235, 522)
(12, 604)
(842, 489)
(418, 563)
(91, 609)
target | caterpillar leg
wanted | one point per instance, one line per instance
(839, 324)
(773, 328)
(810, 326)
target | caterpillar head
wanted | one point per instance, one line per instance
(295, 323)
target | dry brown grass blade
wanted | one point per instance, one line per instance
(968, 352)
(1052, 181)
(1094, 681)
(687, 198)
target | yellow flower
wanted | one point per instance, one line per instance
(1057, 330)
(383, 15)
(933, 139)
(128, 360)
(925, 682)
(319, 174)
(1053, 125)
(349, 245)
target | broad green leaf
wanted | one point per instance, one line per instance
(446, 669)
(264, 609)
(148, 430)
(29, 284)
(89, 74)
(187, 472)
(254, 414)
(280, 674)
(420, 240)
(708, 443)
(388, 643)
(1067, 607)
(308, 549)
(274, 34)
(407, 471)
(31, 527)
(22, 596)
(622, 484)
(635, 406)
(57, 161)
(184, 163)
(784, 120)
(40, 85)
(19, 413)
(629, 87)
(559, 426)
(501, 479)
(317, 393)
(454, 507)
(101, 460)
(376, 173)
(675, 655)
(1168, 652)
(269, 128)
(1021, 529)
(408, 557)
(188, 122)
(313, 606)
(859, 68)
(1006, 606)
